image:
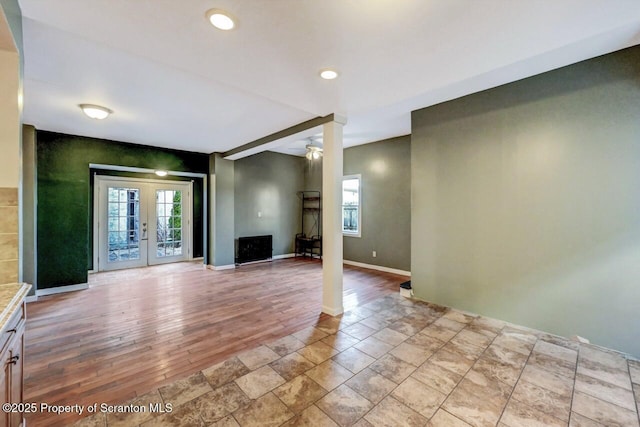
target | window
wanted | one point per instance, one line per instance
(351, 206)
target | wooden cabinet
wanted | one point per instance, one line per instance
(12, 373)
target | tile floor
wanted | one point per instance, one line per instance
(398, 362)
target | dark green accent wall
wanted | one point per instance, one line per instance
(268, 183)
(64, 196)
(526, 205)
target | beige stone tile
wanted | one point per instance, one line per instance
(8, 196)
(497, 370)
(604, 373)
(505, 355)
(310, 335)
(411, 354)
(344, 405)
(181, 416)
(96, 420)
(126, 419)
(458, 316)
(8, 246)
(605, 391)
(419, 397)
(578, 420)
(329, 374)
(291, 366)
(299, 393)
(186, 389)
(373, 347)
(390, 412)
(267, 411)
(393, 368)
(561, 341)
(225, 372)
(407, 327)
(549, 380)
(513, 343)
(449, 324)
(636, 391)
(559, 352)
(371, 385)
(361, 312)
(469, 337)
(603, 412)
(349, 318)
(318, 352)
(340, 341)
(444, 419)
(354, 360)
(219, 403)
(451, 361)
(543, 400)
(330, 325)
(285, 345)
(359, 331)
(375, 322)
(390, 336)
(394, 314)
(363, 423)
(259, 382)
(463, 349)
(517, 414)
(488, 324)
(437, 377)
(227, 421)
(552, 364)
(9, 271)
(426, 342)
(521, 333)
(8, 219)
(478, 405)
(257, 357)
(634, 370)
(311, 417)
(610, 359)
(439, 332)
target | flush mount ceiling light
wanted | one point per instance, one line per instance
(328, 74)
(95, 111)
(313, 152)
(161, 173)
(221, 19)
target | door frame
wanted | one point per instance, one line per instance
(98, 179)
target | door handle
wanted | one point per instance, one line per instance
(144, 231)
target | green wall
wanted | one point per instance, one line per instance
(385, 169)
(222, 216)
(64, 197)
(268, 183)
(526, 205)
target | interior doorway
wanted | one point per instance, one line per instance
(141, 222)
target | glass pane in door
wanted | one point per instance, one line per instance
(169, 223)
(123, 222)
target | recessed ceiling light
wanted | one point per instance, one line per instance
(161, 173)
(328, 74)
(95, 111)
(220, 19)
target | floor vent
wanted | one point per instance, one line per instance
(254, 248)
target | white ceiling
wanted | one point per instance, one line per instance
(175, 81)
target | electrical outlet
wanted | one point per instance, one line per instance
(375, 254)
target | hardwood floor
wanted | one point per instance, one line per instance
(133, 331)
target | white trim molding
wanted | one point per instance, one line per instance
(61, 289)
(378, 267)
(283, 256)
(331, 312)
(221, 267)
(31, 298)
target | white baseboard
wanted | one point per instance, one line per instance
(61, 289)
(221, 267)
(31, 298)
(377, 267)
(283, 256)
(332, 311)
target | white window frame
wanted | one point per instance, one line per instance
(359, 232)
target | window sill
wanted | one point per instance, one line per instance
(345, 234)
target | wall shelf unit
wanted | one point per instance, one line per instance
(309, 240)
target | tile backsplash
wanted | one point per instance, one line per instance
(8, 235)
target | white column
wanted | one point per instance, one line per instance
(332, 217)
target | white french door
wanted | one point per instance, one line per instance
(141, 222)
